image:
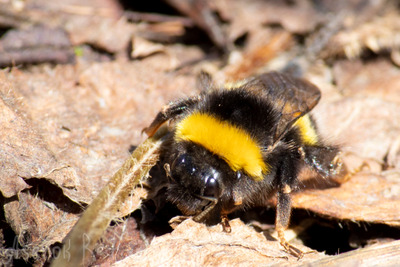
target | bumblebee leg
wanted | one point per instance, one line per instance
(168, 112)
(175, 221)
(283, 210)
(213, 201)
(226, 227)
(326, 161)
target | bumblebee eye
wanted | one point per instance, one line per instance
(211, 188)
(201, 180)
(184, 163)
(182, 167)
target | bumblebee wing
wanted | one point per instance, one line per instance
(168, 112)
(293, 97)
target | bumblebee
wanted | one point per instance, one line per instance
(236, 147)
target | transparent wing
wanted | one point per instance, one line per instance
(293, 97)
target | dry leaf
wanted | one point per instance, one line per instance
(379, 34)
(38, 224)
(194, 244)
(364, 198)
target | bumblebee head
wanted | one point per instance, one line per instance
(200, 178)
(197, 180)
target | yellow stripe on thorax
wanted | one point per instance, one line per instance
(308, 133)
(229, 142)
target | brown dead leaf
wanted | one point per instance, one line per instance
(38, 224)
(36, 44)
(248, 16)
(194, 244)
(364, 198)
(142, 48)
(378, 34)
(366, 126)
(24, 154)
(165, 32)
(357, 78)
(253, 60)
(109, 34)
(204, 17)
(385, 254)
(119, 241)
(98, 23)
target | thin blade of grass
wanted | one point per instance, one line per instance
(79, 243)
